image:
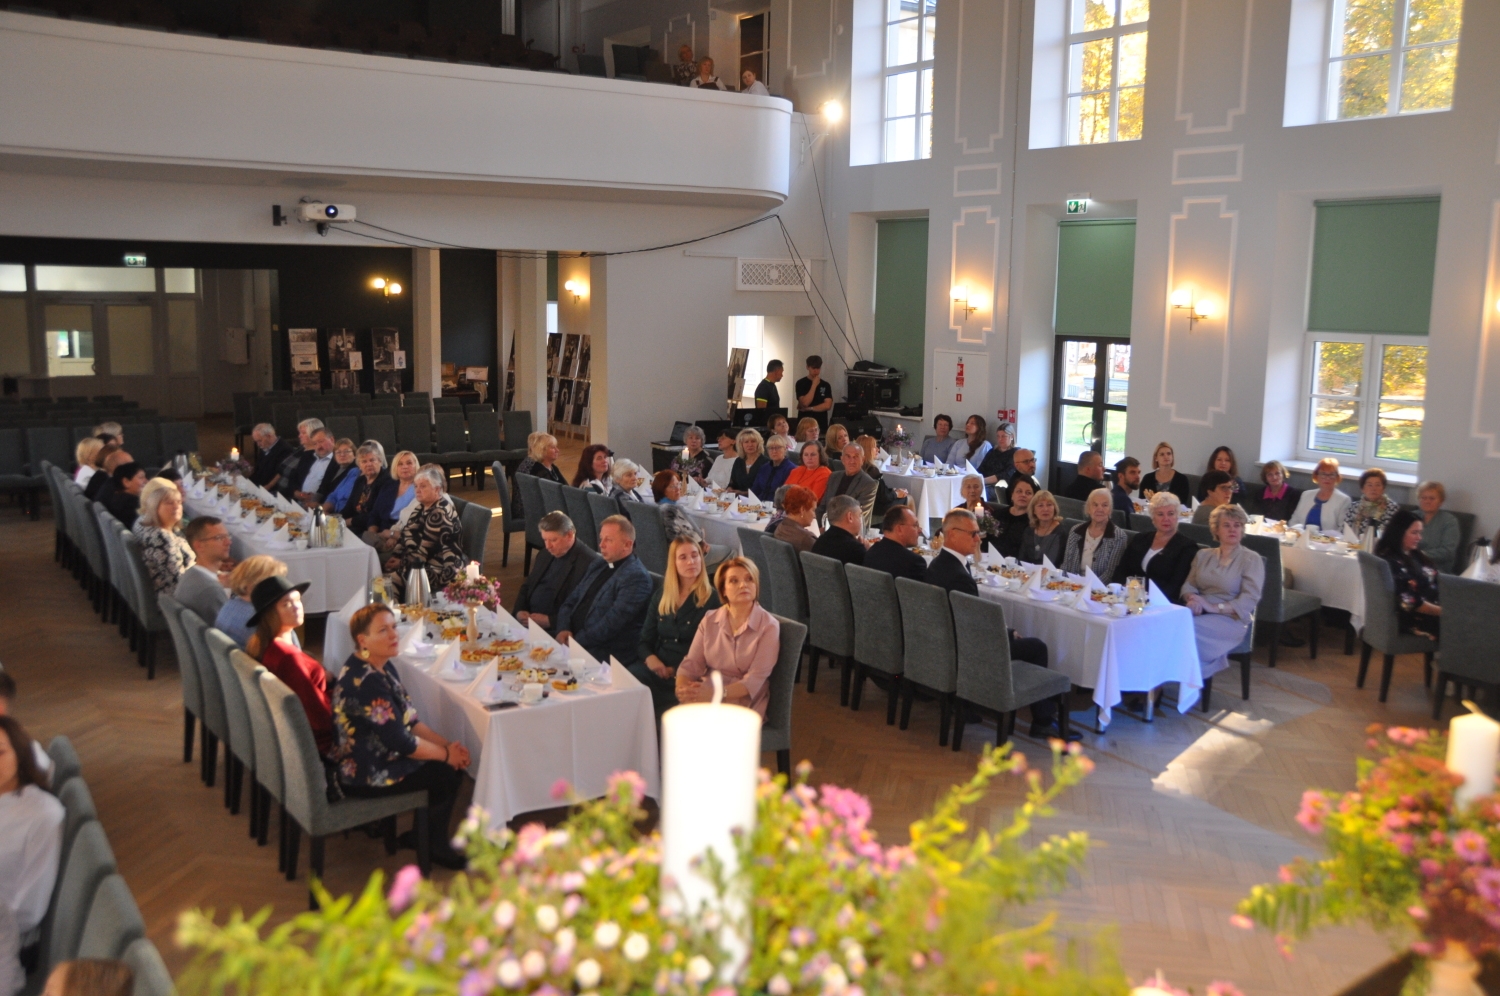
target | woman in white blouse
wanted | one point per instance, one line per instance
(723, 466)
(30, 833)
(1325, 506)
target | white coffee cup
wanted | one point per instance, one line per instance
(531, 693)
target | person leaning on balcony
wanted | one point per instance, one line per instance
(706, 80)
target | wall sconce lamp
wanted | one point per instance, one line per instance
(389, 287)
(1198, 309)
(961, 302)
(833, 111)
(577, 288)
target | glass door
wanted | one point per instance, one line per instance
(1090, 395)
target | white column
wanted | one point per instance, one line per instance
(531, 339)
(599, 344)
(427, 321)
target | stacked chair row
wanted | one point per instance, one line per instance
(92, 913)
(265, 734)
(105, 557)
(23, 450)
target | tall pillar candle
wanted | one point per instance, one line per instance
(710, 758)
(1473, 745)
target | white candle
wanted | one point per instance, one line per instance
(710, 757)
(472, 571)
(1473, 745)
(234, 453)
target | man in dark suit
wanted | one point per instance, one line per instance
(606, 611)
(559, 568)
(1127, 479)
(841, 539)
(851, 480)
(949, 570)
(269, 453)
(1172, 562)
(1090, 476)
(1025, 467)
(893, 552)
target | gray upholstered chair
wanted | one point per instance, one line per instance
(78, 809)
(306, 799)
(90, 861)
(987, 677)
(532, 510)
(1201, 535)
(830, 618)
(776, 730)
(192, 688)
(1070, 508)
(214, 718)
(650, 534)
(266, 780)
(113, 923)
(1141, 523)
(878, 634)
(109, 530)
(1382, 628)
(65, 763)
(1471, 632)
(517, 426)
(1280, 604)
(1241, 656)
(241, 740)
(750, 547)
(509, 521)
(151, 975)
(50, 475)
(552, 499)
(788, 586)
(577, 502)
(148, 614)
(474, 525)
(930, 650)
(602, 507)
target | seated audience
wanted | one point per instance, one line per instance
(541, 461)
(1415, 575)
(987, 515)
(808, 431)
(395, 503)
(1278, 499)
(893, 552)
(1163, 556)
(1439, 527)
(1223, 588)
(885, 495)
(838, 438)
(748, 463)
(1000, 462)
(7, 698)
(1045, 535)
(270, 452)
(1025, 464)
(799, 507)
(676, 608)
(666, 488)
(749, 84)
(693, 460)
(235, 615)
(1164, 476)
(163, 549)
(202, 586)
(812, 470)
(339, 496)
(1097, 543)
(1374, 508)
(1218, 489)
(974, 447)
(278, 612)
(846, 524)
(686, 66)
(560, 566)
(626, 477)
(86, 453)
(723, 469)
(740, 640)
(31, 822)
(290, 471)
(936, 446)
(1325, 507)
(1090, 476)
(1127, 480)
(313, 468)
(779, 425)
(432, 541)
(778, 509)
(366, 488)
(101, 485)
(129, 481)
(593, 469)
(851, 480)
(774, 470)
(343, 466)
(607, 609)
(383, 748)
(90, 977)
(1014, 520)
(706, 80)
(1222, 459)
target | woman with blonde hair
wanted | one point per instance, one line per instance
(807, 432)
(1164, 476)
(1045, 536)
(86, 453)
(677, 608)
(165, 552)
(740, 640)
(748, 463)
(234, 616)
(1223, 588)
(838, 438)
(541, 461)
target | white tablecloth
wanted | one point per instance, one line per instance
(1111, 656)
(1333, 577)
(931, 497)
(720, 530)
(580, 737)
(334, 574)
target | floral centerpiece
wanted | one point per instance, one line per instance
(473, 590)
(579, 909)
(988, 524)
(230, 466)
(898, 439)
(1404, 855)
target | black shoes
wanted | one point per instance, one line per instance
(443, 853)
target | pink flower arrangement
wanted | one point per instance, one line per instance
(479, 591)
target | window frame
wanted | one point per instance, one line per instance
(1397, 52)
(1368, 400)
(1116, 33)
(925, 72)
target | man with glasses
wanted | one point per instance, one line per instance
(202, 586)
(1025, 468)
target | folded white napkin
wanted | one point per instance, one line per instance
(577, 655)
(414, 642)
(266, 528)
(447, 657)
(1035, 584)
(1157, 598)
(1048, 565)
(694, 488)
(969, 468)
(1195, 504)
(1349, 535)
(1091, 581)
(483, 680)
(284, 534)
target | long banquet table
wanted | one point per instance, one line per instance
(931, 497)
(1334, 577)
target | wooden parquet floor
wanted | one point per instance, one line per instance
(1187, 812)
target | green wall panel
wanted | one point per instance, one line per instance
(1095, 277)
(1373, 264)
(901, 301)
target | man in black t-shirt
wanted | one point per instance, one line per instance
(814, 396)
(766, 393)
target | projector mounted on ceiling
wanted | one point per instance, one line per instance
(319, 214)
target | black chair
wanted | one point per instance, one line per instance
(484, 440)
(144, 443)
(344, 427)
(517, 430)
(474, 522)
(178, 437)
(414, 432)
(577, 502)
(381, 428)
(532, 510)
(14, 476)
(509, 521)
(930, 650)
(451, 448)
(284, 417)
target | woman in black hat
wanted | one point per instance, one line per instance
(278, 612)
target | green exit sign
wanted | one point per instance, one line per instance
(1078, 205)
(135, 260)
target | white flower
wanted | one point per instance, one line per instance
(779, 986)
(509, 973)
(834, 980)
(533, 963)
(505, 914)
(565, 941)
(788, 956)
(607, 934)
(546, 918)
(636, 947)
(699, 969)
(587, 973)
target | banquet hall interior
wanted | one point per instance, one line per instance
(1084, 231)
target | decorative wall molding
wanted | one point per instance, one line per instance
(1200, 251)
(771, 275)
(809, 35)
(681, 30)
(1486, 408)
(976, 181)
(976, 252)
(979, 100)
(1211, 42)
(1211, 164)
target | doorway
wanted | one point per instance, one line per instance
(1089, 395)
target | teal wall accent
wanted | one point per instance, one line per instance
(901, 301)
(1095, 277)
(1373, 264)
